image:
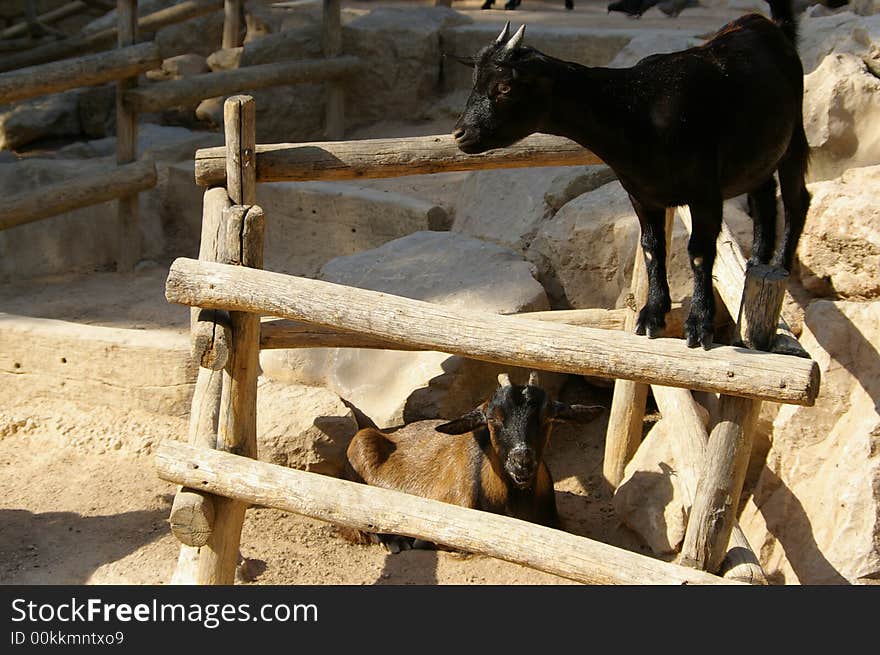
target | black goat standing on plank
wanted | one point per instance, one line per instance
(687, 128)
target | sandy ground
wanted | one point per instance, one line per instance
(80, 503)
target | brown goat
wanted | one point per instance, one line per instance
(493, 462)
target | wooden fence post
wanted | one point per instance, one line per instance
(727, 454)
(126, 145)
(624, 431)
(236, 425)
(334, 124)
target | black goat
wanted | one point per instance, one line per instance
(495, 461)
(513, 4)
(687, 128)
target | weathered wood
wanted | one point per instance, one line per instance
(192, 513)
(239, 119)
(624, 432)
(762, 301)
(105, 39)
(232, 13)
(728, 275)
(376, 158)
(489, 337)
(65, 196)
(283, 333)
(237, 422)
(210, 328)
(126, 145)
(384, 510)
(51, 16)
(331, 35)
(191, 90)
(727, 455)
(679, 407)
(82, 71)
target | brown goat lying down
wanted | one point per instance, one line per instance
(491, 459)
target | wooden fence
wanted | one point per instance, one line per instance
(229, 295)
(46, 69)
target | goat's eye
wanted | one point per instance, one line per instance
(503, 88)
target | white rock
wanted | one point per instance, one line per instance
(313, 222)
(393, 387)
(505, 206)
(841, 111)
(839, 252)
(307, 428)
(844, 33)
(47, 116)
(649, 499)
(813, 516)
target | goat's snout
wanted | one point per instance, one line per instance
(522, 465)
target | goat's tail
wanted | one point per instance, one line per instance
(782, 12)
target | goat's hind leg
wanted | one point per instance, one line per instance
(795, 198)
(706, 220)
(762, 209)
(652, 317)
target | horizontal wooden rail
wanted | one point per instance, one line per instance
(82, 71)
(194, 89)
(114, 182)
(282, 333)
(54, 15)
(383, 510)
(374, 158)
(77, 45)
(489, 337)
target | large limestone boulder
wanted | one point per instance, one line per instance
(813, 516)
(507, 207)
(841, 112)
(80, 240)
(312, 222)
(839, 252)
(400, 47)
(307, 428)
(393, 387)
(179, 67)
(47, 116)
(649, 500)
(841, 33)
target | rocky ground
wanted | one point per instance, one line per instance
(94, 368)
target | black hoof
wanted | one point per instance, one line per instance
(650, 322)
(697, 334)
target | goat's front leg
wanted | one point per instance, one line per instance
(652, 317)
(706, 220)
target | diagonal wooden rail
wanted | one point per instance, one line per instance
(489, 337)
(384, 510)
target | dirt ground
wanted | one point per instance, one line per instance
(80, 503)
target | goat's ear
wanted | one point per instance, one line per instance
(463, 424)
(575, 413)
(470, 62)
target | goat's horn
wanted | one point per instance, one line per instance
(515, 40)
(533, 379)
(504, 379)
(504, 34)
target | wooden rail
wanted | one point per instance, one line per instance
(383, 510)
(283, 333)
(500, 339)
(109, 184)
(376, 158)
(192, 90)
(105, 39)
(82, 71)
